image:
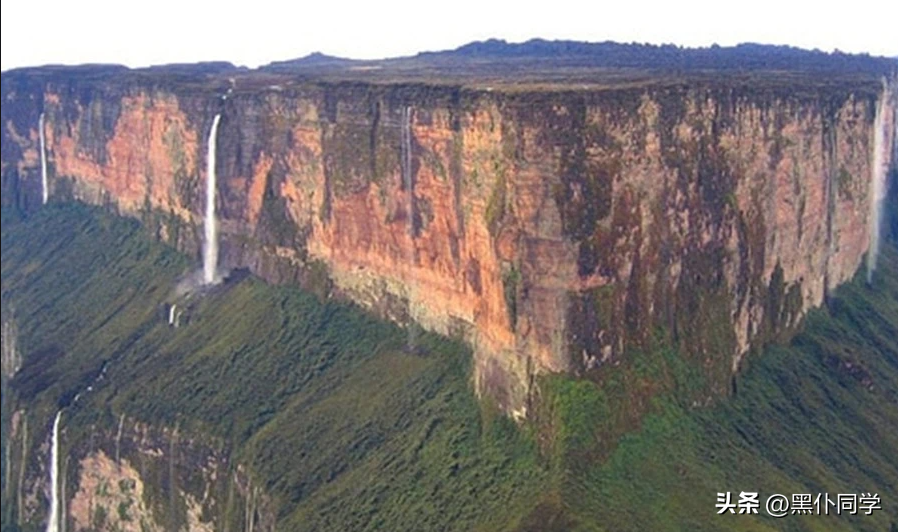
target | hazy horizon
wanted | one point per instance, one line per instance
(100, 31)
(411, 54)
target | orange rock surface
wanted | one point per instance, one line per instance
(521, 209)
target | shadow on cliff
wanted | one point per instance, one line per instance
(809, 417)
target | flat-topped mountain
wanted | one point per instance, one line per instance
(600, 224)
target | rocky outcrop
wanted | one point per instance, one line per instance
(553, 228)
(136, 477)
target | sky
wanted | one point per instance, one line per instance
(255, 32)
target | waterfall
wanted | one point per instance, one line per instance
(118, 440)
(407, 153)
(877, 182)
(9, 366)
(7, 464)
(210, 246)
(249, 511)
(53, 520)
(406, 167)
(11, 358)
(20, 507)
(171, 314)
(62, 504)
(45, 192)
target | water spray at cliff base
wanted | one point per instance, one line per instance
(210, 243)
(878, 183)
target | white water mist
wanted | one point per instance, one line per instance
(877, 182)
(53, 519)
(210, 246)
(45, 191)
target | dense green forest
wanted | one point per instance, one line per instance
(347, 429)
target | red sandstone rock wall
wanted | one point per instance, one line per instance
(554, 231)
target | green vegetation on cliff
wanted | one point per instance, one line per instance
(816, 416)
(343, 429)
(338, 424)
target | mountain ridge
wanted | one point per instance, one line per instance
(605, 54)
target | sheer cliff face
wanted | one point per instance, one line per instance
(138, 478)
(553, 230)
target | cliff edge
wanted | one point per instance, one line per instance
(555, 219)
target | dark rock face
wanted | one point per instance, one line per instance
(555, 228)
(132, 476)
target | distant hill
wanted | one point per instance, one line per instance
(577, 62)
(612, 54)
(208, 67)
(316, 59)
(536, 60)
